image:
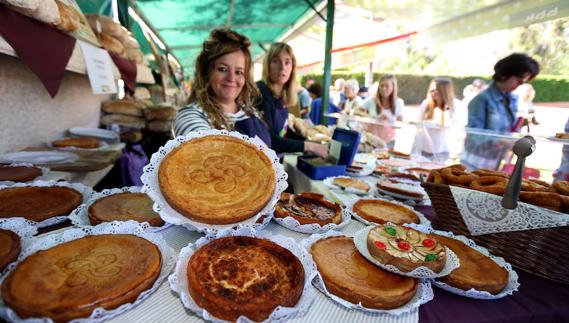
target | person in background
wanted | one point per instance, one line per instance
(386, 107)
(304, 101)
(437, 113)
(526, 111)
(562, 173)
(315, 115)
(278, 92)
(337, 95)
(472, 89)
(353, 105)
(363, 92)
(496, 109)
(223, 89)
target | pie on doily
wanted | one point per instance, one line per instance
(70, 280)
(38, 203)
(123, 207)
(9, 247)
(235, 276)
(347, 182)
(308, 208)
(378, 211)
(217, 179)
(19, 173)
(348, 275)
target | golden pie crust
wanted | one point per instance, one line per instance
(19, 173)
(347, 182)
(308, 208)
(235, 276)
(123, 207)
(380, 212)
(217, 179)
(9, 247)
(70, 280)
(83, 142)
(476, 270)
(348, 275)
(397, 187)
(38, 203)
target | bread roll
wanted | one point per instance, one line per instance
(111, 44)
(23, 4)
(141, 93)
(128, 121)
(70, 19)
(124, 107)
(135, 55)
(160, 114)
(107, 24)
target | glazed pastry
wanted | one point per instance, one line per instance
(378, 211)
(123, 207)
(19, 173)
(405, 248)
(308, 208)
(38, 203)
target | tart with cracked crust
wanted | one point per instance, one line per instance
(405, 248)
(38, 203)
(217, 179)
(70, 280)
(348, 275)
(19, 173)
(378, 211)
(123, 207)
(476, 270)
(235, 276)
(308, 208)
(9, 247)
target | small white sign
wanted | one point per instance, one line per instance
(99, 68)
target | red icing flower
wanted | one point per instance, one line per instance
(380, 245)
(403, 245)
(429, 243)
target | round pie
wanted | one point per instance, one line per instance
(476, 270)
(405, 248)
(402, 188)
(9, 247)
(19, 173)
(123, 207)
(347, 182)
(217, 179)
(85, 143)
(70, 280)
(38, 203)
(235, 276)
(348, 275)
(378, 211)
(308, 208)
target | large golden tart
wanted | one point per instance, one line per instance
(348, 275)
(476, 270)
(19, 173)
(123, 207)
(380, 212)
(70, 280)
(9, 247)
(405, 248)
(38, 203)
(83, 142)
(217, 179)
(308, 208)
(235, 276)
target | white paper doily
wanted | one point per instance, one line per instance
(170, 215)
(80, 216)
(265, 220)
(44, 172)
(360, 240)
(129, 227)
(350, 207)
(179, 283)
(102, 146)
(22, 227)
(329, 182)
(423, 295)
(292, 224)
(510, 288)
(483, 213)
(84, 190)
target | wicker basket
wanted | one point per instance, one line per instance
(543, 252)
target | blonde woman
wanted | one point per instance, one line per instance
(437, 113)
(223, 89)
(278, 92)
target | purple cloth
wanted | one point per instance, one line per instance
(537, 300)
(132, 161)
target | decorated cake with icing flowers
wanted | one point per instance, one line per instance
(405, 248)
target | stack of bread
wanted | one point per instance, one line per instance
(58, 14)
(115, 38)
(126, 113)
(159, 117)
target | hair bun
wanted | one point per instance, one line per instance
(227, 35)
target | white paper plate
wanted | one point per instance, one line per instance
(107, 135)
(40, 157)
(553, 138)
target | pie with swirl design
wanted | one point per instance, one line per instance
(234, 276)
(70, 280)
(123, 207)
(217, 179)
(308, 208)
(348, 275)
(38, 203)
(10, 247)
(405, 248)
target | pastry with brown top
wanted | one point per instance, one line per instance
(308, 208)
(70, 280)
(83, 142)
(401, 188)
(123, 207)
(234, 276)
(9, 248)
(38, 203)
(348, 275)
(217, 179)
(19, 173)
(347, 182)
(380, 212)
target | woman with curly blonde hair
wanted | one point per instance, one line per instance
(223, 89)
(279, 91)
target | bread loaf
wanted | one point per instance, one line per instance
(141, 93)
(106, 24)
(134, 54)
(124, 107)
(70, 19)
(111, 44)
(23, 4)
(47, 12)
(160, 114)
(128, 121)
(160, 126)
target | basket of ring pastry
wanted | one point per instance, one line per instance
(539, 245)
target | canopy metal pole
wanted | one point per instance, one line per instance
(327, 62)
